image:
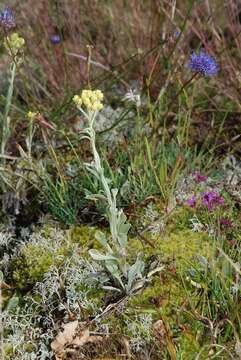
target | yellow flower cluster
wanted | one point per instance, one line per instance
(14, 43)
(91, 99)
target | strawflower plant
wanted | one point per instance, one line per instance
(125, 276)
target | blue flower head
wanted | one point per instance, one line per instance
(7, 19)
(203, 64)
(55, 39)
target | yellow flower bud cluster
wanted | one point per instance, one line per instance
(31, 115)
(91, 99)
(14, 43)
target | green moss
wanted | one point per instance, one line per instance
(180, 247)
(166, 294)
(184, 246)
(83, 235)
(162, 297)
(8, 351)
(32, 265)
(177, 251)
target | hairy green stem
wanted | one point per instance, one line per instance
(108, 193)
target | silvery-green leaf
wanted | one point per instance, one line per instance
(138, 285)
(135, 271)
(1, 276)
(112, 267)
(108, 180)
(154, 271)
(100, 236)
(121, 217)
(96, 255)
(124, 228)
(95, 197)
(92, 171)
(111, 288)
(114, 192)
(122, 239)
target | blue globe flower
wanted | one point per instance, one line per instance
(203, 64)
(55, 39)
(7, 19)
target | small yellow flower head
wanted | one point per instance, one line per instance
(99, 95)
(91, 99)
(14, 43)
(77, 100)
(31, 115)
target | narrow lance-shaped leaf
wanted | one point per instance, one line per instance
(96, 255)
(101, 238)
(134, 272)
(112, 267)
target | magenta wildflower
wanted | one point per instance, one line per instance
(192, 201)
(211, 199)
(225, 222)
(198, 177)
